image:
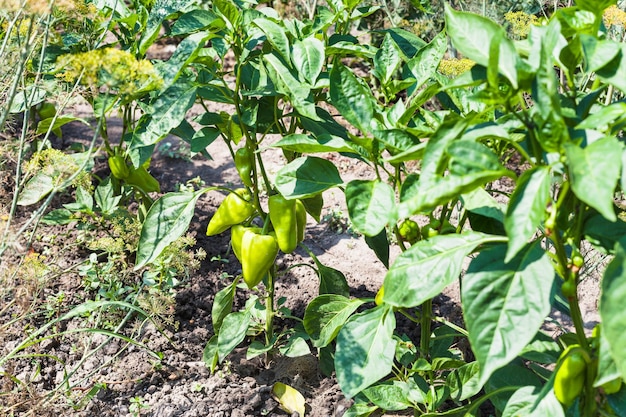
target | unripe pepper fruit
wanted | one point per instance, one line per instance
(570, 375)
(300, 220)
(236, 236)
(243, 163)
(285, 222)
(234, 210)
(409, 231)
(141, 178)
(118, 167)
(258, 253)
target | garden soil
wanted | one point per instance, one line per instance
(180, 385)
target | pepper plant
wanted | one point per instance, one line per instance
(516, 170)
(548, 102)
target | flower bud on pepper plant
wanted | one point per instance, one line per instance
(570, 375)
(285, 223)
(243, 163)
(234, 210)
(258, 253)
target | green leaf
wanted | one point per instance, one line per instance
(296, 346)
(365, 349)
(223, 305)
(161, 10)
(332, 281)
(614, 72)
(429, 266)
(607, 369)
(427, 60)
(196, 20)
(308, 58)
(387, 60)
(166, 113)
(612, 310)
(166, 221)
(352, 97)
(481, 202)
(505, 304)
(471, 165)
(390, 396)
(604, 118)
(529, 401)
(370, 205)
(275, 35)
(105, 197)
(286, 82)
(602, 233)
(298, 142)
(210, 357)
(598, 53)
(325, 315)
(360, 409)
(289, 398)
(596, 6)
(399, 140)
(186, 52)
(46, 124)
(380, 245)
(307, 176)
(471, 34)
(594, 172)
(464, 381)
(58, 217)
(527, 208)
(39, 186)
(232, 332)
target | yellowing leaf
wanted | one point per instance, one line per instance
(289, 398)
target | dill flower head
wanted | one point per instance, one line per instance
(520, 23)
(614, 16)
(117, 70)
(454, 67)
(58, 166)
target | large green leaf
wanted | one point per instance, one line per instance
(596, 6)
(370, 205)
(612, 309)
(223, 305)
(308, 58)
(387, 60)
(352, 97)
(166, 221)
(429, 266)
(527, 208)
(505, 304)
(299, 142)
(427, 60)
(326, 314)
(39, 186)
(275, 35)
(161, 10)
(166, 113)
(307, 176)
(471, 165)
(393, 395)
(232, 332)
(530, 401)
(464, 381)
(594, 172)
(186, 52)
(472, 35)
(365, 349)
(196, 20)
(286, 83)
